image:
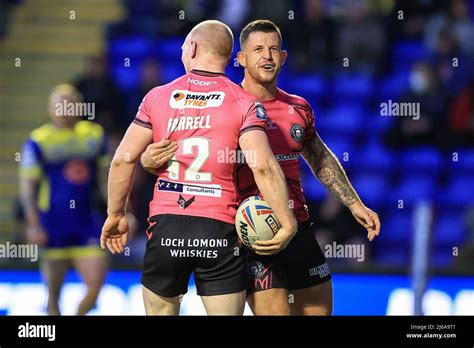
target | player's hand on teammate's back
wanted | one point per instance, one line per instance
(279, 242)
(114, 233)
(158, 154)
(36, 235)
(367, 218)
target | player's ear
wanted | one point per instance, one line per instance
(241, 58)
(283, 56)
(193, 49)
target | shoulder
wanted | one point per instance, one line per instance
(293, 99)
(90, 128)
(42, 133)
(158, 91)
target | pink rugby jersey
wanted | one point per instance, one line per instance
(290, 124)
(205, 113)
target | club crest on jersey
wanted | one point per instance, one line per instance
(297, 133)
(261, 112)
(181, 99)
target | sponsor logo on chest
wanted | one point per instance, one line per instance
(180, 99)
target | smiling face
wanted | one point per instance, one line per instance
(262, 57)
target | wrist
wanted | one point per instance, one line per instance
(357, 204)
(115, 214)
(291, 226)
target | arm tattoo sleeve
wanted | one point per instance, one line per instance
(328, 170)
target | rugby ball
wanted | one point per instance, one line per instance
(255, 221)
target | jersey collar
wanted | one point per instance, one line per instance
(207, 73)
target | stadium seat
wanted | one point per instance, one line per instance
(449, 230)
(441, 257)
(376, 123)
(412, 189)
(464, 163)
(373, 157)
(343, 147)
(356, 87)
(421, 159)
(313, 189)
(130, 47)
(372, 188)
(397, 229)
(169, 50)
(407, 53)
(458, 192)
(235, 74)
(393, 86)
(126, 77)
(172, 71)
(308, 86)
(342, 119)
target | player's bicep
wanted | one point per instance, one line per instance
(256, 147)
(134, 142)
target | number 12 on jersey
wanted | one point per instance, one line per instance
(192, 173)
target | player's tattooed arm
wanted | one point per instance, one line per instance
(329, 170)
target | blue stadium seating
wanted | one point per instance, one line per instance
(169, 50)
(373, 157)
(235, 74)
(377, 124)
(449, 230)
(171, 71)
(397, 228)
(342, 147)
(313, 189)
(393, 86)
(407, 53)
(441, 257)
(458, 192)
(464, 163)
(308, 86)
(126, 77)
(393, 246)
(372, 188)
(356, 87)
(131, 47)
(342, 119)
(423, 159)
(412, 189)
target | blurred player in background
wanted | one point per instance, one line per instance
(194, 204)
(301, 268)
(63, 163)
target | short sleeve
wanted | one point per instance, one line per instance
(310, 127)
(30, 161)
(256, 118)
(142, 118)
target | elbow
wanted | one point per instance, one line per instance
(263, 168)
(118, 161)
